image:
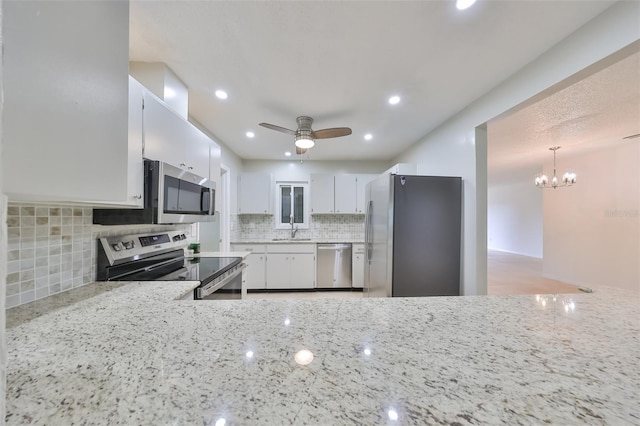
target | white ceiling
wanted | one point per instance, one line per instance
(339, 62)
(595, 112)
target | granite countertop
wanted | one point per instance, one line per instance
(134, 355)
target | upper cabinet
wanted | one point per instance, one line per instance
(254, 193)
(344, 195)
(322, 192)
(361, 191)
(338, 194)
(66, 103)
(135, 182)
(170, 138)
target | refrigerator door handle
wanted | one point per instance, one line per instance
(367, 231)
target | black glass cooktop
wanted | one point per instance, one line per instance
(203, 269)
(206, 268)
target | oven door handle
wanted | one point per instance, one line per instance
(217, 284)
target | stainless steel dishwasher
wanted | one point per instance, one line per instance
(334, 266)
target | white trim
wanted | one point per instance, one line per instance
(278, 214)
(225, 208)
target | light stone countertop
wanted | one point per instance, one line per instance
(132, 355)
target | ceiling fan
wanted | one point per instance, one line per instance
(305, 137)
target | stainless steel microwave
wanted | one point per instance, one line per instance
(171, 195)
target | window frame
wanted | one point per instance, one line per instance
(305, 204)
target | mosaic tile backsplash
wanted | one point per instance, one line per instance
(53, 248)
(335, 227)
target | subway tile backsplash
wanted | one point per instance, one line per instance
(53, 248)
(335, 227)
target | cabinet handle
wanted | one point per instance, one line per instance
(182, 164)
(137, 197)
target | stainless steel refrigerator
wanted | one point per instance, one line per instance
(413, 229)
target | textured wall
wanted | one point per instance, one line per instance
(592, 230)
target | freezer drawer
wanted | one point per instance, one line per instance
(334, 266)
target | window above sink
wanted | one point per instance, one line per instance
(292, 207)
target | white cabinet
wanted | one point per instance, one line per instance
(339, 194)
(254, 276)
(170, 138)
(135, 181)
(65, 110)
(357, 266)
(345, 193)
(322, 191)
(254, 193)
(361, 193)
(291, 266)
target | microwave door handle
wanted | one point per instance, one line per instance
(212, 201)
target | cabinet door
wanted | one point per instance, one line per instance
(278, 270)
(303, 270)
(345, 194)
(163, 132)
(135, 181)
(322, 190)
(361, 194)
(196, 151)
(254, 193)
(357, 266)
(254, 277)
(65, 118)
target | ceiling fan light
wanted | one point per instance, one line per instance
(304, 142)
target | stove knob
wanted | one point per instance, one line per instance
(183, 237)
(176, 238)
(116, 247)
(128, 245)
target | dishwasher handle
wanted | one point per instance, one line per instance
(334, 246)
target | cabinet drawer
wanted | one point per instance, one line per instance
(291, 248)
(254, 248)
(358, 248)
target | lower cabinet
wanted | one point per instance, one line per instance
(291, 266)
(357, 266)
(254, 276)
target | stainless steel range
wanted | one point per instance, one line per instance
(160, 257)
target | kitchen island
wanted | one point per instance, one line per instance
(132, 354)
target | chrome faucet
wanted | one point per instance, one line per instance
(293, 231)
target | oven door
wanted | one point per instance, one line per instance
(224, 287)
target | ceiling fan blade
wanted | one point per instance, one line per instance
(300, 151)
(278, 128)
(333, 132)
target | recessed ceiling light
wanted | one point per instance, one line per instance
(464, 4)
(394, 100)
(221, 94)
(368, 137)
(250, 134)
(288, 154)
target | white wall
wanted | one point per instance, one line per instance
(294, 170)
(514, 217)
(592, 230)
(450, 150)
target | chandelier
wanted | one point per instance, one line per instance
(568, 179)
